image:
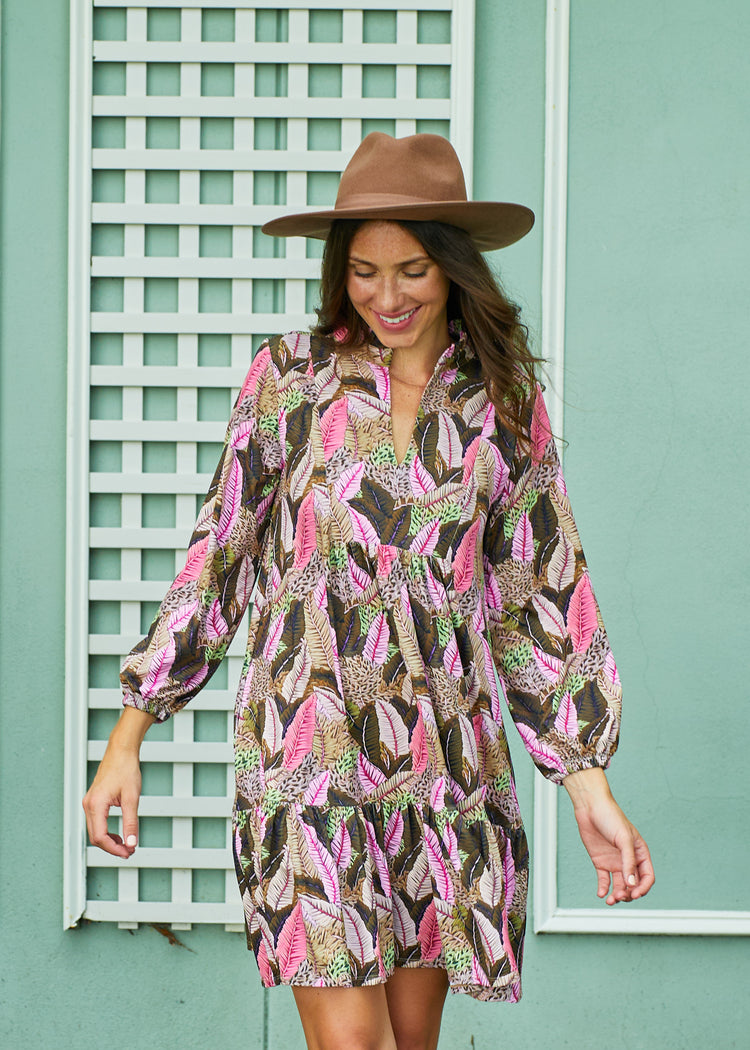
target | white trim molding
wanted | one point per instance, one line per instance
(548, 916)
(77, 462)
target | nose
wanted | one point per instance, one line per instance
(390, 295)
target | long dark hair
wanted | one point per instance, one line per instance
(491, 321)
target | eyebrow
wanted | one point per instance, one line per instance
(406, 262)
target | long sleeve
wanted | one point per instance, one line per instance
(548, 640)
(201, 611)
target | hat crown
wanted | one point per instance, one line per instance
(412, 170)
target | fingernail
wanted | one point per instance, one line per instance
(131, 840)
(632, 880)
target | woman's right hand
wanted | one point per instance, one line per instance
(118, 783)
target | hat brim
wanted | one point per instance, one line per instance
(490, 224)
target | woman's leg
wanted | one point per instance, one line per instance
(345, 1018)
(415, 1004)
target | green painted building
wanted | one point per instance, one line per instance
(625, 128)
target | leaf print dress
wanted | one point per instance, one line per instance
(376, 823)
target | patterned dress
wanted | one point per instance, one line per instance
(376, 823)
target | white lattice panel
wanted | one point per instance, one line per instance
(191, 126)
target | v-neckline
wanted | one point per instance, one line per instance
(386, 353)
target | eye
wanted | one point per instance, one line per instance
(358, 274)
(422, 273)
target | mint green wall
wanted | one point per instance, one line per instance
(654, 388)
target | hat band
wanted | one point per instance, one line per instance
(383, 200)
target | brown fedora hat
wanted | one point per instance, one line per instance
(417, 177)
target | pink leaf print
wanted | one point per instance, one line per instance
(582, 618)
(489, 936)
(266, 973)
(358, 940)
(378, 857)
(440, 875)
(382, 379)
(195, 680)
(523, 539)
(449, 442)
(562, 564)
(492, 592)
(260, 361)
(427, 538)
(386, 554)
(550, 666)
(333, 426)
(181, 617)
(363, 529)
(275, 632)
(491, 886)
(216, 625)
(477, 973)
(566, 721)
(341, 847)
(370, 777)
(358, 576)
(240, 436)
(196, 558)
(273, 736)
(376, 643)
(418, 746)
(451, 658)
(316, 793)
(291, 948)
(320, 594)
(318, 912)
(549, 615)
(305, 537)
(610, 668)
(329, 703)
(538, 750)
(435, 588)
(418, 881)
(489, 666)
(280, 893)
(325, 867)
(393, 732)
(437, 795)
(245, 580)
(488, 420)
(463, 563)
(405, 603)
(541, 432)
(394, 831)
(429, 939)
(403, 925)
(420, 479)
(451, 846)
(509, 874)
(158, 670)
(299, 735)
(500, 473)
(470, 459)
(346, 486)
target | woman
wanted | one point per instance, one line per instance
(392, 483)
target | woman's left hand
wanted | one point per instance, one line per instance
(616, 848)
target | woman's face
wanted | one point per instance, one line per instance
(397, 290)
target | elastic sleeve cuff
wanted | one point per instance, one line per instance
(159, 712)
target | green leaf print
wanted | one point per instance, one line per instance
(517, 656)
(270, 424)
(383, 455)
(291, 398)
(246, 759)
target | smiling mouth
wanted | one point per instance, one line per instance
(397, 320)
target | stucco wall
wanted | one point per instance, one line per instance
(655, 421)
